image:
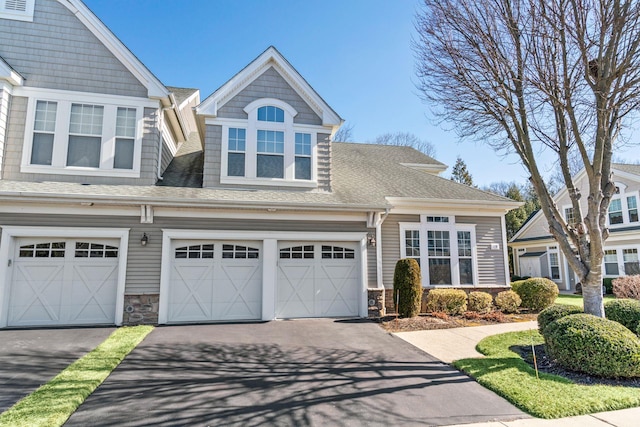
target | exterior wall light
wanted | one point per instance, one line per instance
(371, 239)
(144, 240)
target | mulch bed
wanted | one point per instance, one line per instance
(548, 365)
(443, 321)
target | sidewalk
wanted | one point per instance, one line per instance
(459, 343)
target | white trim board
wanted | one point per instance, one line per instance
(7, 248)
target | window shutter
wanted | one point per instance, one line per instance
(16, 5)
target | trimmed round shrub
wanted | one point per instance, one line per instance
(624, 311)
(450, 301)
(593, 345)
(480, 302)
(536, 293)
(553, 313)
(508, 301)
(407, 287)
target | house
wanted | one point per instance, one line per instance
(123, 200)
(536, 253)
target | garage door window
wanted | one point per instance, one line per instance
(239, 252)
(95, 250)
(195, 251)
(337, 252)
(297, 252)
(43, 250)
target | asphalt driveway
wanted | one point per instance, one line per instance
(300, 372)
(31, 357)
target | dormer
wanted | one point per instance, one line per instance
(267, 127)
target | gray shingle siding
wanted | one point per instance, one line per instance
(391, 245)
(57, 51)
(15, 141)
(166, 156)
(212, 154)
(144, 263)
(491, 270)
(269, 84)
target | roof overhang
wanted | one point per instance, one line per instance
(472, 206)
(9, 74)
(269, 58)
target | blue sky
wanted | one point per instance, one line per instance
(355, 53)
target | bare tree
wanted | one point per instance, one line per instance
(532, 75)
(406, 139)
(344, 134)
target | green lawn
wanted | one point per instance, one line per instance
(575, 299)
(53, 403)
(551, 396)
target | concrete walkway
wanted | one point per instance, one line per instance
(459, 343)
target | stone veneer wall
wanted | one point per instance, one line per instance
(141, 309)
(376, 303)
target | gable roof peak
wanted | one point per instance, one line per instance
(269, 58)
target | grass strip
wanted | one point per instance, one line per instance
(552, 396)
(54, 402)
(576, 300)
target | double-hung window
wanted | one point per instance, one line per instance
(632, 206)
(85, 135)
(554, 266)
(615, 212)
(303, 156)
(611, 262)
(125, 138)
(465, 257)
(412, 244)
(236, 151)
(631, 261)
(44, 127)
(439, 254)
(270, 159)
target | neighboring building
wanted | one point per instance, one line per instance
(123, 200)
(537, 254)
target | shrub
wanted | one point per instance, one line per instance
(450, 301)
(596, 346)
(607, 283)
(638, 330)
(481, 302)
(536, 293)
(508, 301)
(553, 313)
(515, 278)
(407, 287)
(627, 287)
(624, 311)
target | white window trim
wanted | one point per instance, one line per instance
(620, 258)
(64, 99)
(252, 125)
(622, 196)
(554, 250)
(453, 229)
(26, 15)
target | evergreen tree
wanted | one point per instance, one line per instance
(460, 173)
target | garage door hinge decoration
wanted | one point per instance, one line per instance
(146, 214)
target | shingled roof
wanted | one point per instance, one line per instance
(364, 175)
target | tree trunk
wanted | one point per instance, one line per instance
(592, 295)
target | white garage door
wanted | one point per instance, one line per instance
(212, 281)
(63, 282)
(318, 280)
